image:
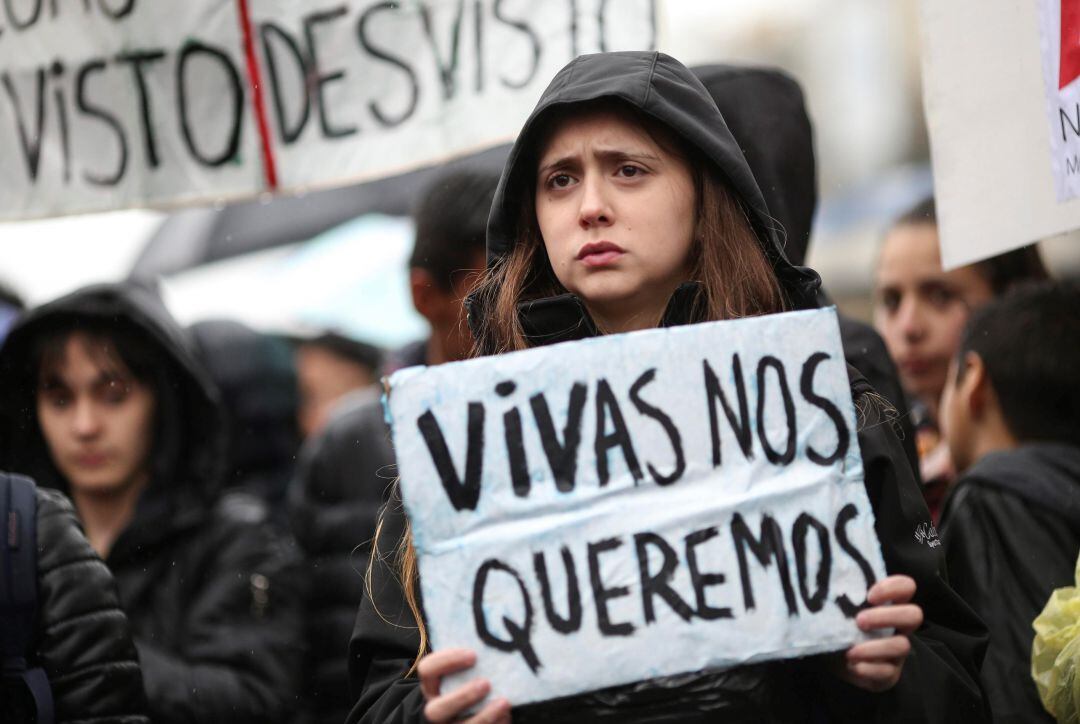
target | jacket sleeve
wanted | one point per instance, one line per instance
(385, 639)
(242, 651)
(1006, 556)
(339, 488)
(940, 678)
(85, 644)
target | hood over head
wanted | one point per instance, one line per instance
(187, 449)
(664, 89)
(255, 374)
(766, 112)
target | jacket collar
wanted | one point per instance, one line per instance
(564, 318)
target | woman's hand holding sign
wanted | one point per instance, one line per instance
(450, 707)
(876, 665)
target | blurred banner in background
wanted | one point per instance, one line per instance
(137, 103)
(1003, 110)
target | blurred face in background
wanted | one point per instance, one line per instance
(96, 417)
(920, 309)
(324, 377)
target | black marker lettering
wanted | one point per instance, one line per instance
(803, 524)
(741, 425)
(700, 581)
(572, 622)
(137, 60)
(602, 595)
(384, 119)
(619, 437)
(843, 435)
(232, 144)
(96, 111)
(788, 455)
(289, 131)
(847, 514)
(515, 450)
(62, 118)
(669, 428)
(462, 495)
(534, 40)
(124, 9)
(519, 634)
(447, 69)
(31, 142)
(319, 79)
(659, 584)
(770, 544)
(562, 457)
(24, 22)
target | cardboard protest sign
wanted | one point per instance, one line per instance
(113, 103)
(1003, 110)
(600, 512)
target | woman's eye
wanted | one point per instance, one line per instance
(889, 300)
(115, 393)
(560, 181)
(939, 296)
(629, 171)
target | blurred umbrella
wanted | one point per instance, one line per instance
(194, 237)
(352, 279)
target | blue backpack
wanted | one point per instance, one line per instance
(26, 692)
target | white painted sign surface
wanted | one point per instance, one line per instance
(601, 512)
(1004, 130)
(107, 104)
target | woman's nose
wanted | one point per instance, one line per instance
(912, 319)
(595, 206)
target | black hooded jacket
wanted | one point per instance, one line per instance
(208, 588)
(939, 681)
(1011, 528)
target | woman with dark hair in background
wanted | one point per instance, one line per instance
(920, 310)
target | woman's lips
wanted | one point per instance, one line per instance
(916, 366)
(91, 460)
(599, 253)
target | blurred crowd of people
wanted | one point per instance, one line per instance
(209, 497)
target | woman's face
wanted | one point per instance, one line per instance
(96, 418)
(920, 309)
(616, 213)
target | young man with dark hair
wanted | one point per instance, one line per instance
(330, 366)
(345, 470)
(1011, 524)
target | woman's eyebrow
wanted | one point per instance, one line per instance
(605, 155)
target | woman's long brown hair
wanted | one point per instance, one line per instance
(728, 260)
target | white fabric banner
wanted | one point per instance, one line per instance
(600, 512)
(997, 79)
(108, 104)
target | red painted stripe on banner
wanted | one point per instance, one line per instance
(1069, 65)
(255, 78)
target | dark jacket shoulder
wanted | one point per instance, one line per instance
(84, 642)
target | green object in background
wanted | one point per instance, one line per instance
(1055, 654)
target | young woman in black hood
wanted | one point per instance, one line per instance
(626, 204)
(101, 398)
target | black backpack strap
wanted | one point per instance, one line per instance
(18, 589)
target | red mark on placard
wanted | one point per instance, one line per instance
(1070, 42)
(259, 103)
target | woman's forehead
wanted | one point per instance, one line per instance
(595, 128)
(91, 353)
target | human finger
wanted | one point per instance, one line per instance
(891, 589)
(893, 648)
(496, 711)
(874, 676)
(446, 707)
(905, 618)
(434, 666)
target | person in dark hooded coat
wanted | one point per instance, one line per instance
(102, 400)
(931, 676)
(256, 377)
(1011, 522)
